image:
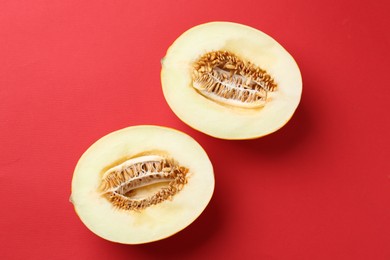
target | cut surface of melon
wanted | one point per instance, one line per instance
(230, 81)
(142, 184)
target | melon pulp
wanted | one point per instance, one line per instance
(116, 180)
(251, 90)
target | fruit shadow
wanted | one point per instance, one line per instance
(298, 132)
(186, 241)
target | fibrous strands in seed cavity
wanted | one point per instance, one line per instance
(225, 78)
(119, 183)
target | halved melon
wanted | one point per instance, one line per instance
(142, 184)
(230, 81)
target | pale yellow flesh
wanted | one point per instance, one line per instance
(158, 221)
(211, 117)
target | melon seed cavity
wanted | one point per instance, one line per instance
(143, 181)
(223, 77)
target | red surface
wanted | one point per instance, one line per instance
(73, 71)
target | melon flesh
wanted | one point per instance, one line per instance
(157, 221)
(211, 117)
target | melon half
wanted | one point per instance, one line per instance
(230, 81)
(142, 184)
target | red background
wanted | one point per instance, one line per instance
(73, 71)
